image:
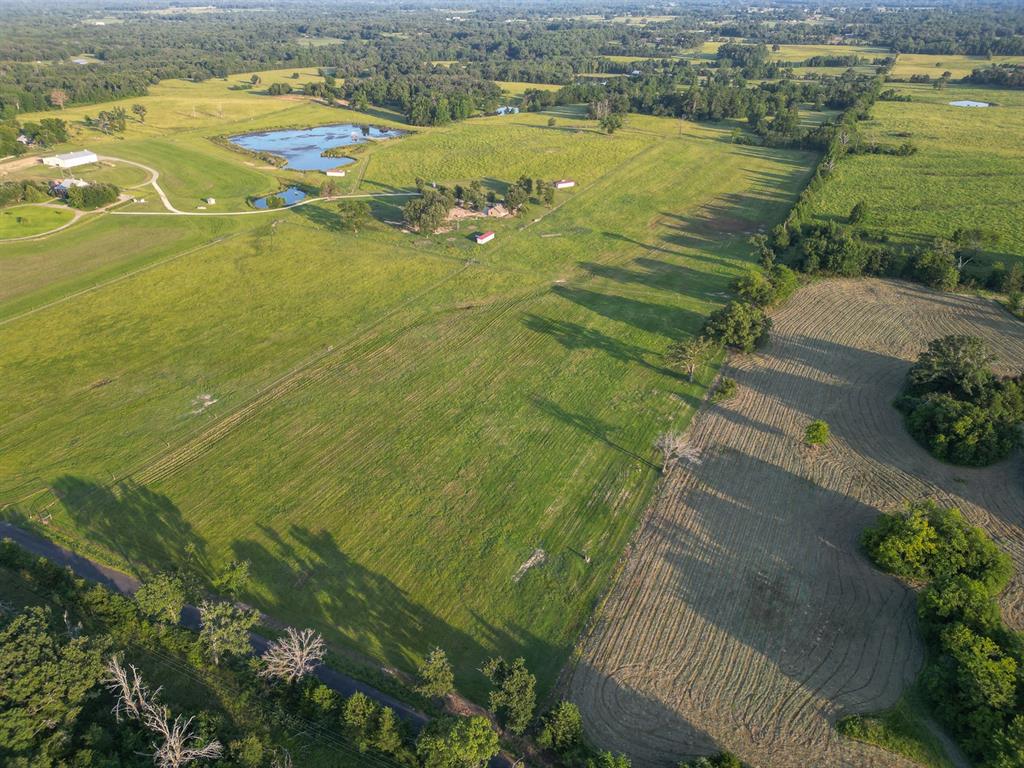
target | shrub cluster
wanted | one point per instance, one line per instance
(957, 407)
(973, 677)
(93, 196)
(17, 192)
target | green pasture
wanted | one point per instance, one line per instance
(393, 423)
(794, 52)
(502, 148)
(934, 65)
(28, 220)
(97, 249)
(967, 171)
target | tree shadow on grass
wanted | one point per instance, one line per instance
(142, 526)
(574, 336)
(304, 576)
(671, 322)
(591, 425)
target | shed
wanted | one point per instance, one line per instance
(335, 172)
(564, 184)
(210, 201)
(484, 237)
(71, 159)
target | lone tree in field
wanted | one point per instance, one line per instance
(817, 433)
(140, 112)
(691, 354)
(436, 677)
(162, 597)
(514, 692)
(255, 80)
(177, 744)
(294, 656)
(225, 629)
(353, 214)
(611, 123)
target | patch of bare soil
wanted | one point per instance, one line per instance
(746, 617)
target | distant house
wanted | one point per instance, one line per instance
(564, 184)
(485, 237)
(210, 200)
(336, 172)
(63, 186)
(507, 111)
(23, 139)
(71, 159)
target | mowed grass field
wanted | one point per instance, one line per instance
(908, 64)
(28, 220)
(967, 171)
(388, 426)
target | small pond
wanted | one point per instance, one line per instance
(969, 103)
(302, 147)
(291, 196)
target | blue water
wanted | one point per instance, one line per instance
(302, 147)
(291, 196)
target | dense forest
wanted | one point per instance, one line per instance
(89, 53)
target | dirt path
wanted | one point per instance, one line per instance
(746, 617)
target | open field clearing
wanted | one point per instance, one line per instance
(788, 52)
(934, 65)
(27, 220)
(96, 249)
(967, 171)
(388, 425)
(746, 617)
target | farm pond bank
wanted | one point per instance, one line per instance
(303, 148)
(289, 196)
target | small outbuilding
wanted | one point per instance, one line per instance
(71, 159)
(335, 172)
(484, 237)
(210, 200)
(564, 184)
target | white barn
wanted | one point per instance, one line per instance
(71, 159)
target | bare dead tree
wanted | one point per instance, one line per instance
(179, 747)
(176, 744)
(282, 759)
(293, 656)
(133, 697)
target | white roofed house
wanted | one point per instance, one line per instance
(564, 184)
(71, 159)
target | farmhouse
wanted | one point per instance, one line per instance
(71, 159)
(564, 184)
(507, 111)
(62, 187)
(210, 200)
(335, 172)
(485, 237)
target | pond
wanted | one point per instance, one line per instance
(303, 147)
(969, 103)
(291, 196)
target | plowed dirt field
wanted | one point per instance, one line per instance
(746, 617)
